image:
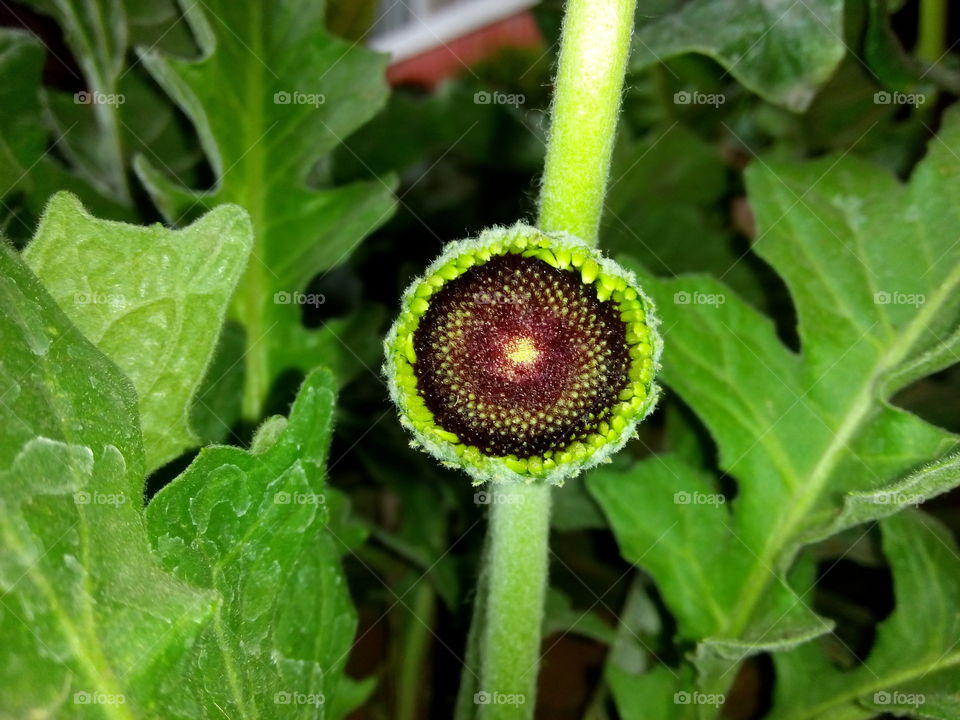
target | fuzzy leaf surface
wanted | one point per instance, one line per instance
(87, 610)
(873, 266)
(781, 49)
(252, 526)
(913, 669)
(152, 299)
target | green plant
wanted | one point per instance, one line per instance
(572, 344)
(777, 540)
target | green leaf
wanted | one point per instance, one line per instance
(661, 694)
(85, 606)
(640, 624)
(845, 115)
(253, 603)
(913, 669)
(670, 518)
(22, 138)
(158, 23)
(119, 112)
(216, 403)
(152, 299)
(560, 617)
(883, 52)
(28, 175)
(676, 224)
(252, 526)
(574, 508)
(917, 487)
(781, 49)
(421, 533)
(97, 37)
(270, 96)
(809, 438)
(639, 691)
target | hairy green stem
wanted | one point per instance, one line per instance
(932, 42)
(517, 557)
(593, 57)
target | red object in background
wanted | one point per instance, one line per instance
(429, 69)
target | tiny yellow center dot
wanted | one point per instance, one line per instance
(522, 351)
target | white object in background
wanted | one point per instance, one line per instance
(415, 27)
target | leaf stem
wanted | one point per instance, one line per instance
(517, 558)
(593, 58)
(249, 305)
(932, 42)
(416, 646)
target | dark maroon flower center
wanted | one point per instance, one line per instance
(518, 357)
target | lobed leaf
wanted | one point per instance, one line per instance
(253, 527)
(673, 227)
(225, 597)
(28, 175)
(87, 614)
(913, 669)
(152, 299)
(811, 438)
(119, 112)
(270, 95)
(670, 518)
(781, 49)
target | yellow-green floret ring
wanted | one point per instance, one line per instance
(522, 356)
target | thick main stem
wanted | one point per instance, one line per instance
(517, 582)
(593, 58)
(932, 41)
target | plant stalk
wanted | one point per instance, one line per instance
(593, 57)
(594, 45)
(932, 42)
(416, 648)
(517, 557)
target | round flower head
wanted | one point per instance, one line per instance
(523, 356)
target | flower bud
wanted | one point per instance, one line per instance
(522, 356)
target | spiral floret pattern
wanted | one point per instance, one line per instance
(521, 356)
